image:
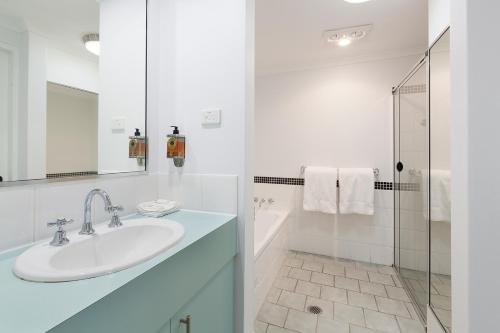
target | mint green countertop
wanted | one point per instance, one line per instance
(38, 307)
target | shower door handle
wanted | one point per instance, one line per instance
(187, 321)
(399, 166)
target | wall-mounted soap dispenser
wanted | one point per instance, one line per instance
(176, 147)
(137, 147)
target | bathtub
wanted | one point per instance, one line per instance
(267, 224)
(270, 247)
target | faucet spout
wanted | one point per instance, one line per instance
(87, 228)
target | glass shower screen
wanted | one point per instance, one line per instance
(411, 193)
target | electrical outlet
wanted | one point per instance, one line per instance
(210, 117)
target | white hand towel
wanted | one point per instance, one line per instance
(440, 195)
(158, 208)
(320, 190)
(356, 191)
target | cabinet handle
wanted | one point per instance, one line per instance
(187, 322)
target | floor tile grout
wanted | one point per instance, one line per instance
(351, 268)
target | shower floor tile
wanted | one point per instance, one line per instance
(440, 290)
(349, 302)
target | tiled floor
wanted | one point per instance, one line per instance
(355, 297)
(440, 293)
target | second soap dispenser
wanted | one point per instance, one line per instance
(176, 147)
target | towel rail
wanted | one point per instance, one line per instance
(376, 172)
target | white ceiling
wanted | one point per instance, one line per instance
(289, 32)
(63, 22)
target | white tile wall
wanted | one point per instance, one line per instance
(218, 193)
(357, 237)
(25, 210)
(16, 218)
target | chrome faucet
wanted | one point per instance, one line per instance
(87, 228)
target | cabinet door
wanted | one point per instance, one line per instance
(211, 309)
(165, 328)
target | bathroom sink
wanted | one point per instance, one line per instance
(108, 251)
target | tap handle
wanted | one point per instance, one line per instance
(115, 219)
(116, 209)
(60, 223)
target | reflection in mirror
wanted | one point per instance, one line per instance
(440, 180)
(72, 87)
(72, 129)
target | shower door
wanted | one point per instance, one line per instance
(410, 192)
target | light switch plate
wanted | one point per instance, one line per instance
(118, 123)
(210, 117)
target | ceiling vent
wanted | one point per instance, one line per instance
(346, 36)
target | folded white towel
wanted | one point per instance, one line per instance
(356, 191)
(440, 195)
(320, 190)
(158, 208)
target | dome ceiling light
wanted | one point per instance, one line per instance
(91, 42)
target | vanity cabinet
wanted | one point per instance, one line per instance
(211, 310)
(197, 281)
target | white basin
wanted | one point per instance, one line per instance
(109, 250)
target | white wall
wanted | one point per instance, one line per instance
(205, 51)
(122, 78)
(73, 71)
(71, 130)
(439, 18)
(475, 165)
(340, 117)
(337, 116)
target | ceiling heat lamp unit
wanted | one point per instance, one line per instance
(345, 36)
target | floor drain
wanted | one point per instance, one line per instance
(314, 309)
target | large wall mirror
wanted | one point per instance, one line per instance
(72, 88)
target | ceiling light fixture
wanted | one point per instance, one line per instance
(91, 42)
(345, 36)
(356, 1)
(344, 41)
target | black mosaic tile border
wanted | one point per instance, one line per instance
(71, 174)
(383, 186)
(300, 182)
(278, 180)
(412, 187)
(413, 89)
